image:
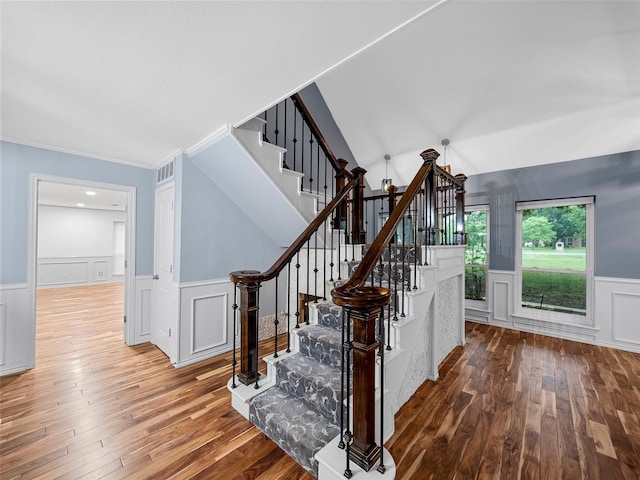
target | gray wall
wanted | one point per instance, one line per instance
(320, 112)
(614, 180)
(18, 162)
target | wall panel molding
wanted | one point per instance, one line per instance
(16, 350)
(143, 310)
(206, 334)
(3, 330)
(625, 307)
(73, 271)
(205, 320)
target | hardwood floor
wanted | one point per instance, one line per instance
(508, 405)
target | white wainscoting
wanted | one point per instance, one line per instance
(143, 310)
(3, 330)
(16, 338)
(206, 320)
(68, 271)
(616, 317)
(617, 312)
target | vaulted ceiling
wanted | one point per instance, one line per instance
(509, 83)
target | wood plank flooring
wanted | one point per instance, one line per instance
(509, 405)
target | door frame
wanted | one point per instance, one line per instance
(130, 254)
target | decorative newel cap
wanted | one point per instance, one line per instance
(430, 155)
(358, 171)
(462, 177)
(342, 163)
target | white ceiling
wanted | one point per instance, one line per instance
(509, 83)
(76, 196)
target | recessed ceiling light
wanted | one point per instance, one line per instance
(79, 204)
(90, 193)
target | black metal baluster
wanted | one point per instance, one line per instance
(393, 299)
(325, 181)
(257, 345)
(416, 246)
(302, 156)
(315, 267)
(403, 252)
(235, 320)
(275, 320)
(366, 220)
(343, 350)
(297, 297)
(324, 261)
(306, 301)
(348, 436)
(277, 130)
(264, 127)
(295, 138)
(310, 162)
(381, 348)
(331, 250)
(339, 250)
(286, 129)
(288, 307)
(318, 168)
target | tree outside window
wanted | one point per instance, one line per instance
(475, 226)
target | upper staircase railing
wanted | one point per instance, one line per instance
(305, 264)
(289, 124)
(429, 212)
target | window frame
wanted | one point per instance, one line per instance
(548, 315)
(472, 302)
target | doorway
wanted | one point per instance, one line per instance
(82, 242)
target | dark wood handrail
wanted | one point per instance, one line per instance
(353, 292)
(448, 176)
(313, 126)
(252, 276)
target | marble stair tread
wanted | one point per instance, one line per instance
(294, 426)
(314, 383)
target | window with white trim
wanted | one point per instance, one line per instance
(476, 256)
(554, 258)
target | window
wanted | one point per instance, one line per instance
(554, 254)
(476, 220)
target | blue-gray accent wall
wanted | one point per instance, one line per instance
(18, 162)
(613, 179)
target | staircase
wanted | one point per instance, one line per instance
(298, 402)
(301, 412)
(329, 400)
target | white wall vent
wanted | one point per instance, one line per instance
(165, 172)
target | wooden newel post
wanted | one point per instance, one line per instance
(363, 305)
(358, 234)
(340, 219)
(460, 191)
(364, 451)
(249, 311)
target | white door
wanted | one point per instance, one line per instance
(165, 315)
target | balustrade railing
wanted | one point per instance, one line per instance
(304, 270)
(430, 212)
(289, 124)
